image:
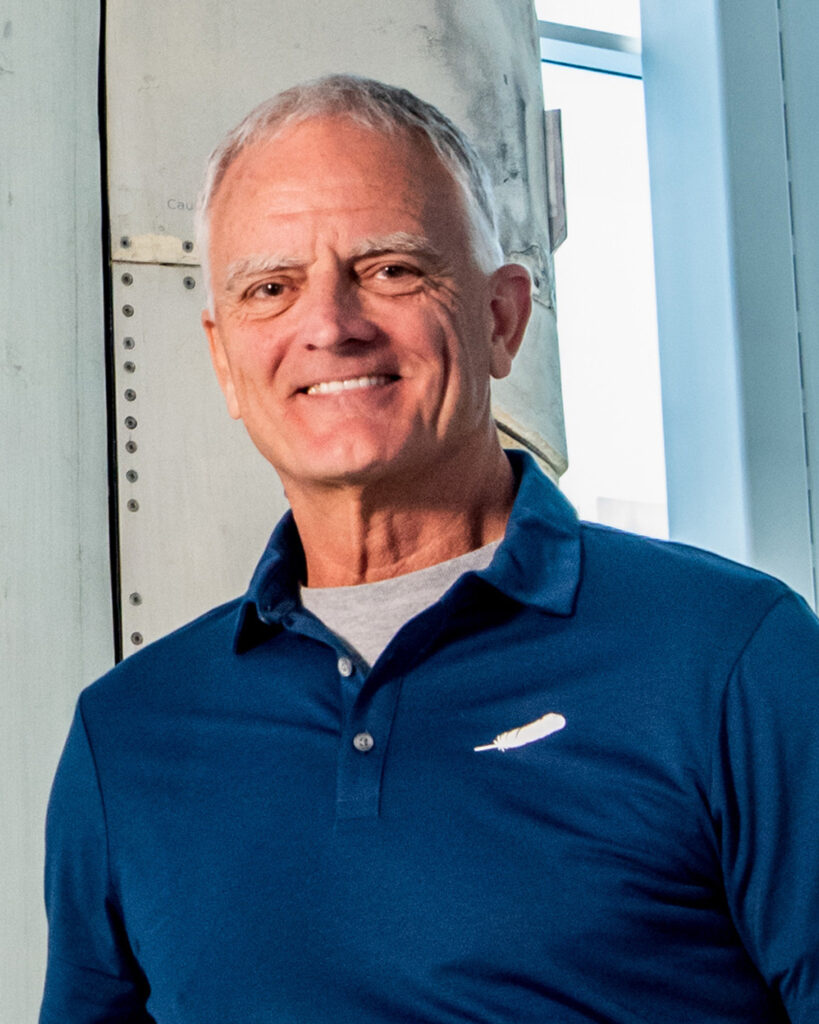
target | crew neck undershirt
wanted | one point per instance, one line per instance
(368, 615)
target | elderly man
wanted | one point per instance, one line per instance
(454, 756)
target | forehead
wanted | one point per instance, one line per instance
(334, 165)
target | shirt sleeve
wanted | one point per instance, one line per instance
(92, 976)
(766, 802)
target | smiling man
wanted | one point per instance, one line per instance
(354, 328)
(453, 756)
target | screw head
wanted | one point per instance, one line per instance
(127, 279)
(135, 598)
(132, 505)
(130, 447)
(129, 367)
(130, 422)
(189, 282)
(127, 310)
(125, 242)
(136, 639)
(128, 343)
(187, 246)
(132, 476)
(130, 394)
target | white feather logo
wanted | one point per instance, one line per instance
(530, 733)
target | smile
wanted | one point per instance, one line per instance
(329, 387)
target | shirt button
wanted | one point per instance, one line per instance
(363, 741)
(345, 667)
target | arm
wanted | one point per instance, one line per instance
(92, 975)
(766, 803)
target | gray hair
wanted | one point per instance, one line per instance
(384, 108)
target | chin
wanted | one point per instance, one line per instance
(340, 465)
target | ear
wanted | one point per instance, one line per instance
(221, 364)
(511, 307)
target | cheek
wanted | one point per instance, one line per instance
(254, 356)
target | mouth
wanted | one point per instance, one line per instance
(332, 387)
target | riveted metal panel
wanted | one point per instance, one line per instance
(197, 502)
(180, 75)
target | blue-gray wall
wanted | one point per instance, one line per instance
(732, 104)
(55, 605)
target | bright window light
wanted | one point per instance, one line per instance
(619, 16)
(605, 304)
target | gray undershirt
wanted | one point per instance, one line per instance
(367, 616)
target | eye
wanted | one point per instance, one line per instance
(268, 298)
(269, 289)
(394, 270)
(392, 278)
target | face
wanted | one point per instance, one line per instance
(351, 327)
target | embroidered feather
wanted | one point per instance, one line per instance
(530, 733)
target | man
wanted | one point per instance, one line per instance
(454, 756)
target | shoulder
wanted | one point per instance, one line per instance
(665, 588)
(171, 666)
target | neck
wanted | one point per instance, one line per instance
(378, 530)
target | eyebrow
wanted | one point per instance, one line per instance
(238, 270)
(397, 242)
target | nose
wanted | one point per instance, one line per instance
(333, 313)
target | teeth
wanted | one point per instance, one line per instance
(328, 387)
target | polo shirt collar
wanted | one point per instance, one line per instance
(537, 563)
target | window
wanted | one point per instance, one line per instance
(604, 270)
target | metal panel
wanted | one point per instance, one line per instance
(179, 75)
(190, 540)
(55, 596)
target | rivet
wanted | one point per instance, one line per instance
(130, 447)
(130, 422)
(128, 343)
(132, 476)
(125, 242)
(187, 246)
(135, 598)
(127, 278)
(130, 394)
(136, 639)
(132, 505)
(129, 367)
(128, 310)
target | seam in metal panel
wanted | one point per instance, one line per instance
(110, 394)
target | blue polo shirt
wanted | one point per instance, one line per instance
(248, 826)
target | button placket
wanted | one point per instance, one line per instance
(365, 736)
